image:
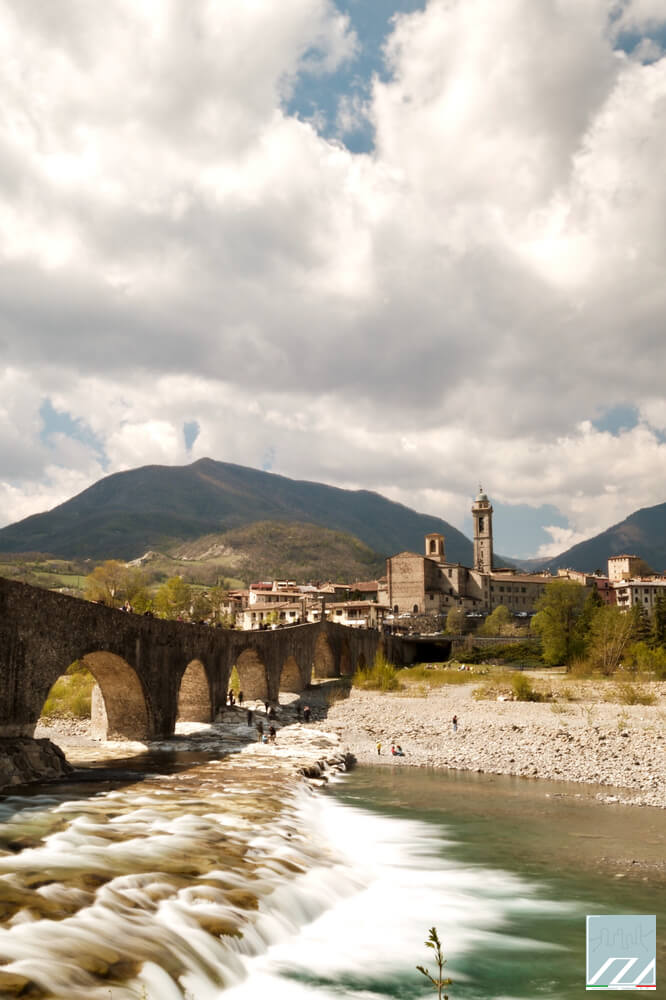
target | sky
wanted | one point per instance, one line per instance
(411, 247)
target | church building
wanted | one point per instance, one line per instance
(428, 584)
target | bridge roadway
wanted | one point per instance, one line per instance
(152, 673)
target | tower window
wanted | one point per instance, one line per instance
(481, 520)
(433, 545)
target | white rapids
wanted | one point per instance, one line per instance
(208, 884)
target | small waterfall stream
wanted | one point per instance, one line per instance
(235, 880)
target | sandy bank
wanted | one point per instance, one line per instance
(622, 747)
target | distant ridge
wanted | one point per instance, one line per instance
(155, 507)
(643, 534)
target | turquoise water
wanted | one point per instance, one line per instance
(570, 855)
(119, 890)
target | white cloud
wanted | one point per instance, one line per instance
(458, 305)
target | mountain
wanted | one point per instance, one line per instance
(643, 534)
(156, 506)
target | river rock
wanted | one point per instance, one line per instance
(23, 760)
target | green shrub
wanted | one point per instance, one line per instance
(499, 682)
(528, 653)
(382, 676)
(633, 694)
(437, 677)
(71, 695)
(523, 690)
(642, 657)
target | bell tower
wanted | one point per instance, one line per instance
(434, 547)
(482, 512)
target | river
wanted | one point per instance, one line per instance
(184, 876)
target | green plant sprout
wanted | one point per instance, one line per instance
(439, 983)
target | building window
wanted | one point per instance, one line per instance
(480, 524)
(415, 609)
(395, 609)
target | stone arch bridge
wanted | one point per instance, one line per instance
(152, 672)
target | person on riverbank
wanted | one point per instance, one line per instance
(260, 729)
(379, 748)
(240, 697)
(306, 714)
(272, 734)
(250, 716)
(454, 723)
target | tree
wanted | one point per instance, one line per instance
(610, 633)
(174, 598)
(219, 599)
(642, 568)
(499, 622)
(201, 606)
(659, 620)
(113, 583)
(456, 620)
(590, 606)
(558, 611)
(640, 624)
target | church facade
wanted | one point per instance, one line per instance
(428, 584)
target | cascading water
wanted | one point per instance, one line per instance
(235, 881)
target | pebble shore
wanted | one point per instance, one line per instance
(621, 747)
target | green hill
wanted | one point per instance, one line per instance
(643, 534)
(155, 507)
(269, 550)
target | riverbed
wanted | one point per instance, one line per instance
(188, 874)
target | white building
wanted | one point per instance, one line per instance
(643, 592)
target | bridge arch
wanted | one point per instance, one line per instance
(291, 678)
(252, 676)
(194, 702)
(119, 706)
(346, 667)
(324, 664)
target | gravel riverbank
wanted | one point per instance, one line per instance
(622, 747)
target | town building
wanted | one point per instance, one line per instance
(605, 588)
(429, 585)
(643, 592)
(623, 567)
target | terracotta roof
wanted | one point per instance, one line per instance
(286, 606)
(357, 604)
(526, 578)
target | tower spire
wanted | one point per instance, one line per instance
(482, 512)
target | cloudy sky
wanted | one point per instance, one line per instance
(388, 244)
